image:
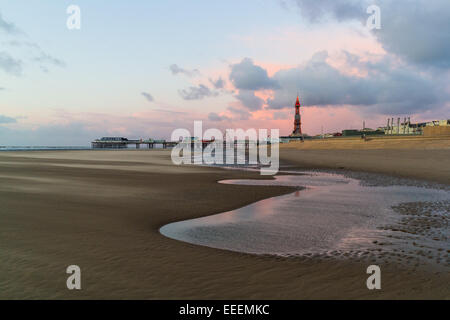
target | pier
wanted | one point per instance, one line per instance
(123, 143)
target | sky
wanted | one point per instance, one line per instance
(142, 69)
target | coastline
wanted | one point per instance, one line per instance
(102, 210)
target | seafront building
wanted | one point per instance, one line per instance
(436, 127)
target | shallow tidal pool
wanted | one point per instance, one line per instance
(332, 216)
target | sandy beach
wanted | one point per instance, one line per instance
(102, 210)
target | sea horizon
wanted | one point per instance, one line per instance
(43, 148)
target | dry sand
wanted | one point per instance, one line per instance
(102, 210)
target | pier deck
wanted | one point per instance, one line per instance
(123, 144)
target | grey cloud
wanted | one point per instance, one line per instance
(249, 100)
(8, 27)
(248, 76)
(218, 84)
(386, 89)
(5, 119)
(148, 96)
(42, 58)
(212, 116)
(9, 64)
(17, 43)
(172, 112)
(415, 30)
(241, 114)
(13, 65)
(175, 69)
(197, 93)
(45, 58)
(319, 10)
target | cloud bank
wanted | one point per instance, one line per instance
(248, 76)
(414, 30)
(412, 77)
(387, 88)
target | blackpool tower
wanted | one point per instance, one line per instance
(298, 120)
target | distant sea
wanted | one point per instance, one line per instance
(55, 148)
(41, 148)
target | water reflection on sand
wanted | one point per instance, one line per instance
(331, 216)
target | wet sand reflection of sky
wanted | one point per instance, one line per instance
(332, 213)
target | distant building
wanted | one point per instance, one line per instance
(408, 128)
(110, 143)
(405, 127)
(437, 128)
(438, 123)
(366, 131)
(113, 139)
(351, 132)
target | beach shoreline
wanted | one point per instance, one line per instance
(103, 210)
(405, 157)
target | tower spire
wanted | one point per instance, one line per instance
(297, 120)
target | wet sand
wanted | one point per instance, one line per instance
(332, 216)
(102, 211)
